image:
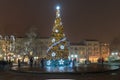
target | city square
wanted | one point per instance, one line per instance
(36, 52)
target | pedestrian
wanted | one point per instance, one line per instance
(10, 63)
(74, 62)
(42, 62)
(19, 63)
(31, 62)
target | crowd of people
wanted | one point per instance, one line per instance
(33, 62)
(40, 62)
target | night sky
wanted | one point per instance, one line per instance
(82, 19)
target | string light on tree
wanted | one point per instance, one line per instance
(62, 47)
(53, 40)
(58, 11)
(53, 54)
(58, 46)
(56, 31)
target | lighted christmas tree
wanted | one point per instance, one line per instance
(58, 46)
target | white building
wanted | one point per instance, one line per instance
(90, 50)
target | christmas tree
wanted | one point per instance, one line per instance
(58, 46)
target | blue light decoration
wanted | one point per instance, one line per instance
(48, 63)
(52, 59)
(61, 62)
(56, 43)
(61, 68)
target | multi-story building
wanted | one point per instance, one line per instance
(7, 47)
(93, 50)
(90, 50)
(104, 50)
(77, 51)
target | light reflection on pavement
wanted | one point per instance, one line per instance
(12, 75)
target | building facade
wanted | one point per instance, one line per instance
(90, 50)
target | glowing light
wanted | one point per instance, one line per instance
(58, 11)
(58, 15)
(61, 61)
(48, 62)
(72, 56)
(53, 40)
(56, 43)
(36, 58)
(76, 56)
(58, 7)
(56, 31)
(116, 53)
(61, 69)
(62, 47)
(112, 54)
(53, 54)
